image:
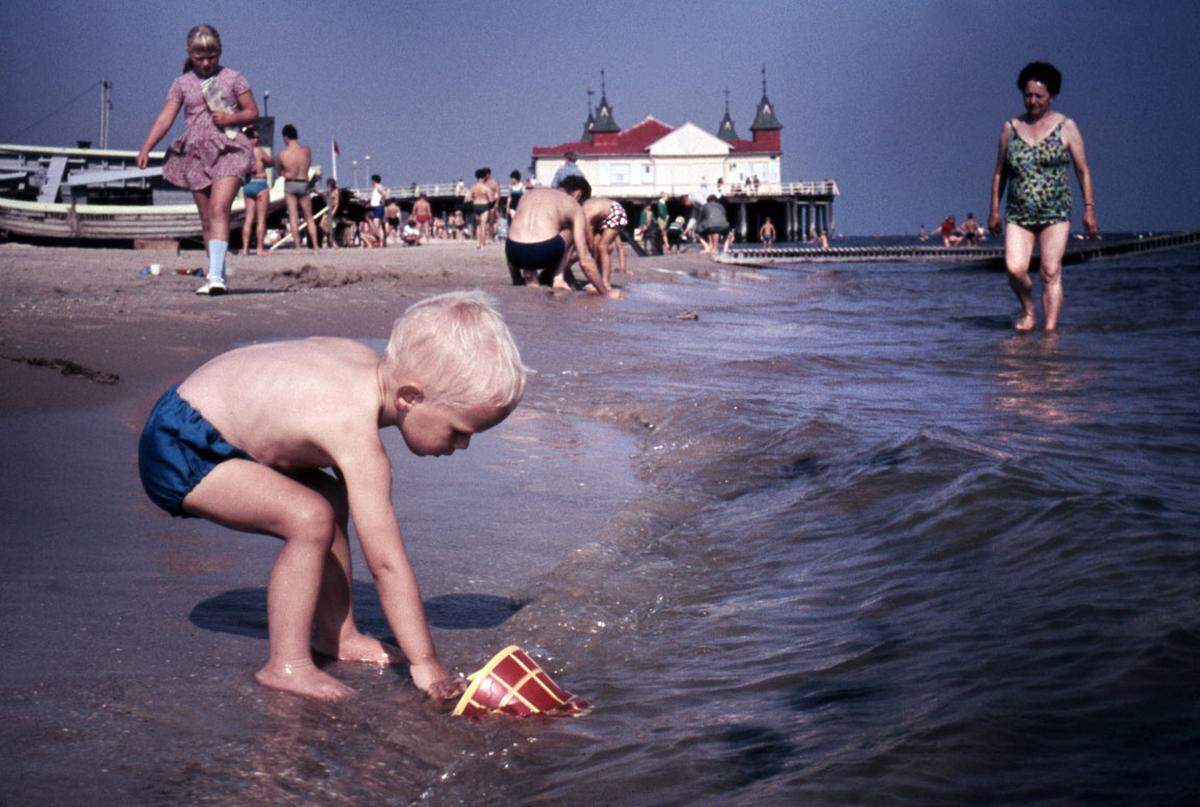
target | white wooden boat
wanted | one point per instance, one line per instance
(98, 195)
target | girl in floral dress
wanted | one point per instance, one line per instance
(213, 157)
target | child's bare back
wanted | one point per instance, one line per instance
(243, 441)
(291, 405)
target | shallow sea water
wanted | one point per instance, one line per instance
(882, 550)
(891, 551)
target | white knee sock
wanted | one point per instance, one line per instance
(216, 260)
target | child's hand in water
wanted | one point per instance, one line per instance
(431, 678)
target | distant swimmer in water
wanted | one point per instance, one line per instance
(548, 226)
(1034, 151)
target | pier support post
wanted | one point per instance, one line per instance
(791, 220)
(831, 222)
(742, 221)
(811, 224)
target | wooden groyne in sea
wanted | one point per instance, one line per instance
(1078, 252)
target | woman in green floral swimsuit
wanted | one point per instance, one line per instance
(1034, 152)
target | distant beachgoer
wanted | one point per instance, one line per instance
(422, 214)
(675, 235)
(567, 169)
(548, 228)
(515, 189)
(369, 231)
(481, 198)
(1034, 151)
(391, 213)
(605, 220)
(294, 161)
(457, 225)
(949, 232)
(494, 213)
(720, 188)
(257, 194)
(333, 212)
(969, 230)
(922, 234)
(766, 233)
(823, 238)
(714, 224)
(378, 203)
(212, 157)
(410, 234)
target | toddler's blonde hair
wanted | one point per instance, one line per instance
(458, 347)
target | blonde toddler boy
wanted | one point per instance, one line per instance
(244, 441)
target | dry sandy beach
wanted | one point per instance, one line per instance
(130, 638)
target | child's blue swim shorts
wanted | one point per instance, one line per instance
(177, 449)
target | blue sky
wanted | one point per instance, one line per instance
(901, 102)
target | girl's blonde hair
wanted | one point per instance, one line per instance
(458, 346)
(202, 38)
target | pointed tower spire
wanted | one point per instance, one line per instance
(726, 131)
(764, 117)
(604, 117)
(590, 123)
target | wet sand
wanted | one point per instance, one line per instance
(130, 638)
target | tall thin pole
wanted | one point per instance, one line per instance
(105, 110)
(333, 157)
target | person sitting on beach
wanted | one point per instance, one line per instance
(294, 161)
(766, 233)
(410, 235)
(422, 214)
(675, 235)
(244, 439)
(605, 219)
(481, 198)
(368, 231)
(922, 234)
(550, 224)
(257, 194)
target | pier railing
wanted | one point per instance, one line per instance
(448, 190)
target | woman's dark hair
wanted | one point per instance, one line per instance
(376, 178)
(1043, 72)
(515, 175)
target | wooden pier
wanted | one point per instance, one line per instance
(1077, 252)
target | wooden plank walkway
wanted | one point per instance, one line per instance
(1078, 252)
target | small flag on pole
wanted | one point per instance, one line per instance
(336, 150)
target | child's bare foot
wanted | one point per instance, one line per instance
(1024, 322)
(303, 679)
(359, 648)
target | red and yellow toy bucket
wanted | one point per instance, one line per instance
(513, 684)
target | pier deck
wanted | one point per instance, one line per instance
(1078, 252)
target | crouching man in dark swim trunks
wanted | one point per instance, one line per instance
(547, 230)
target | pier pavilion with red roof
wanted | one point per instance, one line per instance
(636, 164)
